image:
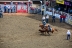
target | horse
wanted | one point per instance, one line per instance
(42, 26)
(45, 30)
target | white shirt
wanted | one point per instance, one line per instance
(68, 33)
(8, 7)
(43, 17)
(47, 16)
(12, 6)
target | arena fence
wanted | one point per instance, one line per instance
(68, 19)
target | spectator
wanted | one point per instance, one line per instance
(53, 19)
(64, 17)
(59, 9)
(68, 10)
(11, 9)
(68, 34)
(5, 8)
(47, 18)
(61, 18)
(8, 9)
(39, 10)
(65, 10)
(43, 18)
(14, 8)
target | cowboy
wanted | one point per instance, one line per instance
(68, 34)
(44, 22)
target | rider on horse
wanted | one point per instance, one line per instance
(44, 22)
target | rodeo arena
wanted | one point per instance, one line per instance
(35, 24)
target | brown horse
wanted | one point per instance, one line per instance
(45, 30)
(42, 26)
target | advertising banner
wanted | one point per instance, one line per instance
(60, 1)
(21, 8)
(67, 3)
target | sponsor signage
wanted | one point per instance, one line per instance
(68, 3)
(60, 1)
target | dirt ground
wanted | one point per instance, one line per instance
(21, 31)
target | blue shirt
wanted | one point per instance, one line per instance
(4, 7)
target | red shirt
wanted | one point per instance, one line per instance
(32, 8)
(61, 16)
(64, 16)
